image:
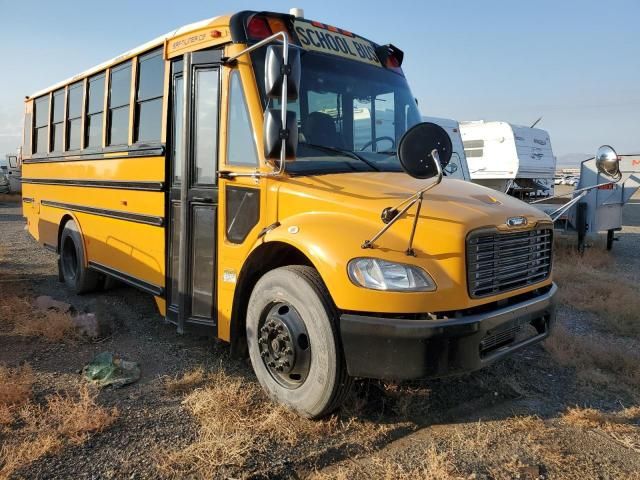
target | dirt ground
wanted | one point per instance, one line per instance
(565, 409)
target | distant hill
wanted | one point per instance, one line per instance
(571, 160)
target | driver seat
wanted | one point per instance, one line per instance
(320, 129)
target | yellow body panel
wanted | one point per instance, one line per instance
(118, 167)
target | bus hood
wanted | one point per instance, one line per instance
(363, 196)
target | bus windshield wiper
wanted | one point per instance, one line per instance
(341, 151)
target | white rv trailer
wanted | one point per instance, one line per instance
(385, 128)
(509, 157)
(457, 167)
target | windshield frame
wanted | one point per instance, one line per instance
(353, 159)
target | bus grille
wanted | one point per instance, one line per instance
(500, 262)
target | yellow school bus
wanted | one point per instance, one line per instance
(267, 177)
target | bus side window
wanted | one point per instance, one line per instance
(149, 96)
(241, 149)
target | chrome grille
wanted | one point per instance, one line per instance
(500, 262)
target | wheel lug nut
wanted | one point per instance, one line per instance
(288, 351)
(286, 363)
(264, 353)
(279, 368)
(280, 328)
(286, 338)
(272, 364)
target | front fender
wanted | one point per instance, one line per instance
(331, 240)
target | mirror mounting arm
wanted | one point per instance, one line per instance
(286, 70)
(393, 214)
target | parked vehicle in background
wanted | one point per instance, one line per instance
(4, 182)
(571, 181)
(509, 158)
(14, 171)
(225, 169)
(457, 167)
(606, 183)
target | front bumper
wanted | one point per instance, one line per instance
(400, 349)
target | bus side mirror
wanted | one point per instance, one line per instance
(13, 162)
(274, 133)
(425, 150)
(274, 70)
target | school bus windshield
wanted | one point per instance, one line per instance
(345, 123)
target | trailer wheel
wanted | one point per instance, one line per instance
(72, 261)
(293, 342)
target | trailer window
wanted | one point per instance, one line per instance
(473, 148)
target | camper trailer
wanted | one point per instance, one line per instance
(510, 158)
(457, 167)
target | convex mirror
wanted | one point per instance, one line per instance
(417, 146)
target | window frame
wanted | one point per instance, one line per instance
(87, 114)
(109, 109)
(34, 144)
(251, 166)
(81, 85)
(137, 102)
(59, 92)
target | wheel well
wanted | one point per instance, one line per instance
(63, 222)
(266, 257)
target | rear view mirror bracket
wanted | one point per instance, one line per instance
(282, 80)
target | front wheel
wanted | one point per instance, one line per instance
(293, 342)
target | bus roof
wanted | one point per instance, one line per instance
(132, 53)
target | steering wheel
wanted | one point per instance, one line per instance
(378, 139)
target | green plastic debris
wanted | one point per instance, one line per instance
(108, 369)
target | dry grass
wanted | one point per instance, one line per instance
(430, 464)
(186, 382)
(15, 390)
(586, 285)
(238, 423)
(592, 418)
(42, 429)
(19, 317)
(51, 325)
(622, 426)
(594, 357)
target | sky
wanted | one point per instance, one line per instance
(575, 63)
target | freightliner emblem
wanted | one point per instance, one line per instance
(516, 221)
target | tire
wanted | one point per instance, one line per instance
(610, 239)
(72, 263)
(317, 381)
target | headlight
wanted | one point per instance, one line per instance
(395, 277)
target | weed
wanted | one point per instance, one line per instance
(185, 383)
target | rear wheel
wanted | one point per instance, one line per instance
(293, 342)
(72, 263)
